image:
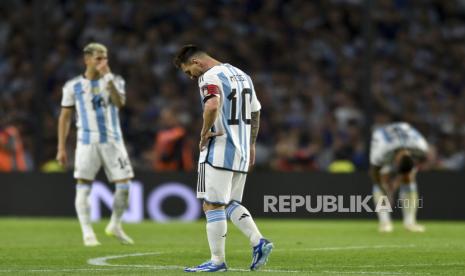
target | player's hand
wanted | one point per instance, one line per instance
(252, 156)
(103, 68)
(204, 139)
(62, 157)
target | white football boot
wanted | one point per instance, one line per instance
(118, 233)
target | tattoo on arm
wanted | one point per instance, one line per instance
(255, 125)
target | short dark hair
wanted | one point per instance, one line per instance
(185, 53)
(406, 164)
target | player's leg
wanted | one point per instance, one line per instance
(120, 204)
(238, 214)
(82, 205)
(408, 197)
(119, 171)
(87, 164)
(384, 217)
(381, 200)
(214, 186)
(217, 228)
(242, 219)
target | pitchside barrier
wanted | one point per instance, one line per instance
(171, 196)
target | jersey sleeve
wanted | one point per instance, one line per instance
(419, 142)
(68, 98)
(255, 103)
(120, 85)
(422, 145)
(209, 86)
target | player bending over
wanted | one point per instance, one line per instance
(395, 149)
(96, 96)
(231, 114)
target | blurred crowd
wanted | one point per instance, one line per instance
(307, 60)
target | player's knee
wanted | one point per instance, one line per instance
(122, 181)
(82, 196)
(207, 206)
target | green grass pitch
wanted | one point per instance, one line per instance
(302, 247)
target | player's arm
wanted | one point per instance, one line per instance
(254, 127)
(64, 123)
(211, 97)
(210, 112)
(116, 96)
(254, 123)
(380, 178)
(384, 181)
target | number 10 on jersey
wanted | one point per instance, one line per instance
(233, 97)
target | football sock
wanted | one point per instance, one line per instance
(409, 197)
(242, 219)
(82, 205)
(216, 233)
(120, 203)
(378, 195)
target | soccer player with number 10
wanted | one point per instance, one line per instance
(231, 113)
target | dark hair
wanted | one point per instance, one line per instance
(406, 164)
(185, 53)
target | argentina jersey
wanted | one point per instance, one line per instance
(97, 119)
(238, 100)
(387, 139)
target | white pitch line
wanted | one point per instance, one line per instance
(102, 261)
(63, 270)
(130, 267)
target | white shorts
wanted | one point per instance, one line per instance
(113, 157)
(219, 186)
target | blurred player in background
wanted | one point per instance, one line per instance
(97, 96)
(231, 116)
(395, 150)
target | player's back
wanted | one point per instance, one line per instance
(238, 99)
(387, 139)
(401, 134)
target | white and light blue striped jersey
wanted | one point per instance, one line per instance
(230, 151)
(389, 138)
(97, 119)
